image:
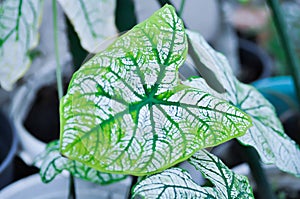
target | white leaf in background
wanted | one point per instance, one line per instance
(19, 23)
(177, 183)
(266, 135)
(52, 164)
(93, 20)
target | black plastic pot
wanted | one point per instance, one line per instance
(42, 120)
(255, 62)
(8, 148)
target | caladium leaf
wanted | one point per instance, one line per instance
(266, 135)
(93, 20)
(215, 62)
(19, 23)
(52, 164)
(177, 183)
(126, 111)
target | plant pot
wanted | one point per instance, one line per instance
(283, 184)
(8, 148)
(34, 110)
(32, 187)
(40, 75)
(255, 62)
(280, 91)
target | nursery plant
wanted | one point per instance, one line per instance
(128, 112)
(20, 22)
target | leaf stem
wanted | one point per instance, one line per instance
(163, 2)
(181, 8)
(291, 58)
(56, 45)
(72, 192)
(252, 158)
(133, 182)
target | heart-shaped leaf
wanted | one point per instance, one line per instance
(177, 183)
(19, 23)
(93, 20)
(266, 135)
(126, 111)
(52, 164)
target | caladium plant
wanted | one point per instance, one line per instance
(143, 112)
(127, 112)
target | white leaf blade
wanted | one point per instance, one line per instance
(126, 111)
(172, 183)
(52, 164)
(177, 183)
(19, 21)
(227, 183)
(93, 20)
(266, 135)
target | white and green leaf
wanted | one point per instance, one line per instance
(177, 183)
(52, 164)
(19, 24)
(127, 112)
(93, 20)
(266, 135)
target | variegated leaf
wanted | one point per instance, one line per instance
(266, 135)
(52, 164)
(93, 20)
(19, 23)
(126, 111)
(177, 183)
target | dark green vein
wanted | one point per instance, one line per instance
(86, 16)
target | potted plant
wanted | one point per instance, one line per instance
(140, 101)
(8, 144)
(127, 112)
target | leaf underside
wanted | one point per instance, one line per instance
(93, 20)
(266, 135)
(177, 183)
(19, 23)
(53, 164)
(127, 112)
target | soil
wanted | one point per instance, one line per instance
(43, 118)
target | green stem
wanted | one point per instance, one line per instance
(181, 8)
(163, 2)
(72, 192)
(56, 44)
(133, 182)
(263, 187)
(291, 58)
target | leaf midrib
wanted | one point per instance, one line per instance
(15, 28)
(137, 106)
(88, 21)
(150, 97)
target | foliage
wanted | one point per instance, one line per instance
(266, 135)
(128, 112)
(53, 164)
(291, 12)
(177, 183)
(131, 110)
(20, 21)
